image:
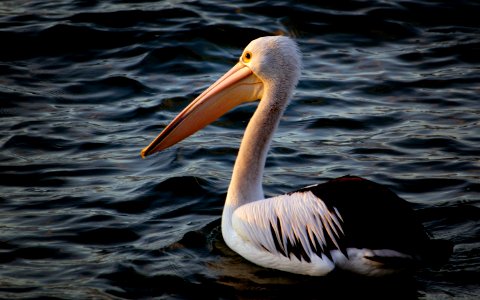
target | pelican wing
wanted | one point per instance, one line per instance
(298, 223)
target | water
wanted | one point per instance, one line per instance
(390, 91)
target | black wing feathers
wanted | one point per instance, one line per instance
(373, 216)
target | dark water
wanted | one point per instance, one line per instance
(390, 91)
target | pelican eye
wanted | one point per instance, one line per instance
(247, 56)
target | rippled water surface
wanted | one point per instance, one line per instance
(389, 91)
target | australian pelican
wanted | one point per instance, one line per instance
(348, 223)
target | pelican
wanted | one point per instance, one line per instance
(348, 223)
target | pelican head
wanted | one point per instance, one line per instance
(267, 63)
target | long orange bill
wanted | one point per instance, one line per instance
(237, 86)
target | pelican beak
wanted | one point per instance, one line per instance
(237, 86)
